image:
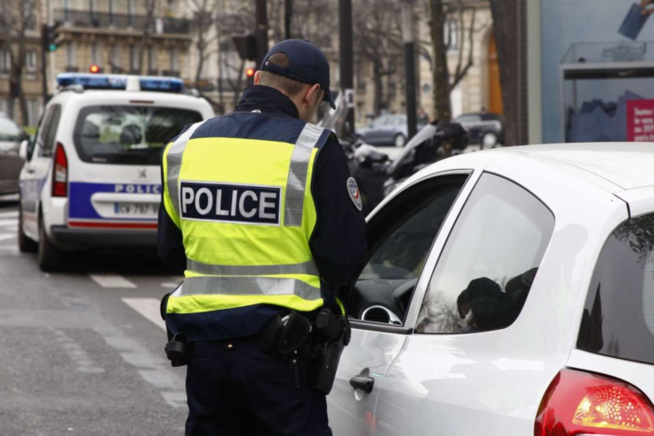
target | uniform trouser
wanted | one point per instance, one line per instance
(234, 388)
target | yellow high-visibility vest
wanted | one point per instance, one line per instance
(246, 213)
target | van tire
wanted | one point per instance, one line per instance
(25, 244)
(49, 258)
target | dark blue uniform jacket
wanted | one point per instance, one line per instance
(338, 241)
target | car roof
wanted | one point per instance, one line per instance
(100, 95)
(612, 166)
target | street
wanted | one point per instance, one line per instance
(82, 351)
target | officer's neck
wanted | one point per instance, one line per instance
(267, 100)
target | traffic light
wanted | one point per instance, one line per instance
(246, 45)
(249, 76)
(50, 36)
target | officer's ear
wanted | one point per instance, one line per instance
(257, 77)
(313, 95)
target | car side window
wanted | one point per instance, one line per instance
(484, 274)
(380, 121)
(467, 119)
(51, 132)
(399, 239)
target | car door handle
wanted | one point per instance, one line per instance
(363, 383)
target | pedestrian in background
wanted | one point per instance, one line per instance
(261, 212)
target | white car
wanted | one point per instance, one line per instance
(92, 176)
(507, 292)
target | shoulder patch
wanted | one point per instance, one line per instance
(353, 191)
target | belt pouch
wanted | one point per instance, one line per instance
(284, 333)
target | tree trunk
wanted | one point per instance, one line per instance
(16, 82)
(378, 88)
(507, 21)
(145, 39)
(441, 81)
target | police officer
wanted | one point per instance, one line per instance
(261, 212)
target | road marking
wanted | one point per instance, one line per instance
(77, 354)
(9, 214)
(5, 237)
(8, 222)
(111, 281)
(148, 307)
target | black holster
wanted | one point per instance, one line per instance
(177, 347)
(331, 335)
(177, 350)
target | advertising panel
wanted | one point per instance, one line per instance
(597, 70)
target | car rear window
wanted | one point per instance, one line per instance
(618, 318)
(132, 135)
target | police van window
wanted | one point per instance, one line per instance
(399, 239)
(618, 317)
(129, 135)
(51, 127)
(489, 262)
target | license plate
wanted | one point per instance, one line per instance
(145, 209)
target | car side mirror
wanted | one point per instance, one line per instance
(24, 147)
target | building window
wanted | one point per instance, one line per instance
(152, 60)
(452, 35)
(115, 61)
(71, 55)
(134, 59)
(5, 61)
(174, 64)
(3, 107)
(131, 8)
(30, 61)
(32, 112)
(96, 54)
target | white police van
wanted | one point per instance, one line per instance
(92, 176)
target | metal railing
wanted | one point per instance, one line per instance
(159, 25)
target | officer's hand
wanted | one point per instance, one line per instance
(644, 9)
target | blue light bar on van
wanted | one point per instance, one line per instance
(168, 84)
(116, 81)
(92, 81)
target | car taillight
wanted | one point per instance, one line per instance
(60, 172)
(579, 403)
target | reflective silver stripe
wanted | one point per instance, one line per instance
(249, 286)
(297, 174)
(258, 270)
(175, 164)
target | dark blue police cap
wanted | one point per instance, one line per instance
(306, 64)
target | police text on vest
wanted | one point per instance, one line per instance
(245, 204)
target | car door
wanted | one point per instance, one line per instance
(465, 370)
(400, 236)
(37, 167)
(375, 132)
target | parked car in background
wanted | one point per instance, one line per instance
(11, 135)
(484, 129)
(386, 130)
(506, 292)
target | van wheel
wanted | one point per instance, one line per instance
(49, 258)
(25, 244)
